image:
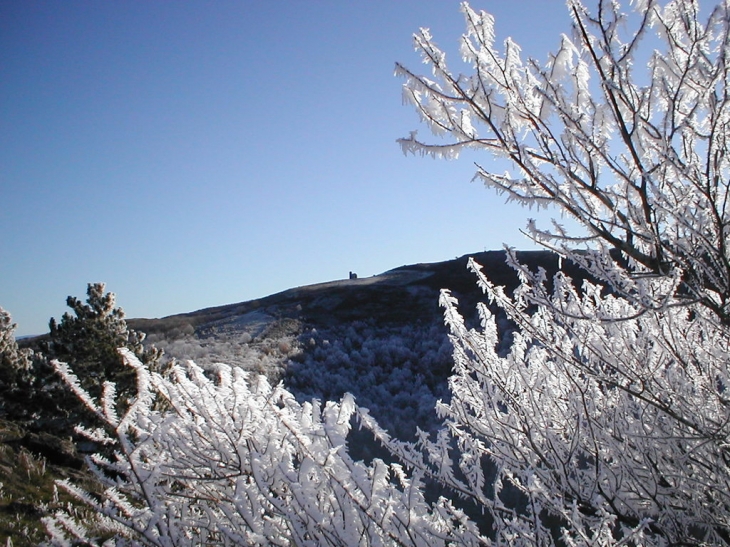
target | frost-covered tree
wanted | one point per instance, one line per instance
(608, 418)
(606, 422)
(15, 363)
(629, 143)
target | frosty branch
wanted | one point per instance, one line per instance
(642, 168)
(234, 461)
(605, 422)
(609, 413)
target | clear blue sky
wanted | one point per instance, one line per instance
(193, 154)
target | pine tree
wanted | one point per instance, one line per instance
(91, 337)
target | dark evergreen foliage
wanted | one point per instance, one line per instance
(90, 339)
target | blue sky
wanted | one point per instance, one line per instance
(193, 154)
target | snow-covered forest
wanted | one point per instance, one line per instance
(587, 409)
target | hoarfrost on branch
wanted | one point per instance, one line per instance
(605, 422)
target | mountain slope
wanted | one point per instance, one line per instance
(396, 296)
(381, 338)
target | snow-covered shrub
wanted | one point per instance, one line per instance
(15, 363)
(397, 372)
(235, 461)
(260, 344)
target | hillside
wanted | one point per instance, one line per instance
(381, 296)
(381, 338)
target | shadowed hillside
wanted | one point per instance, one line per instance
(381, 338)
(398, 296)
